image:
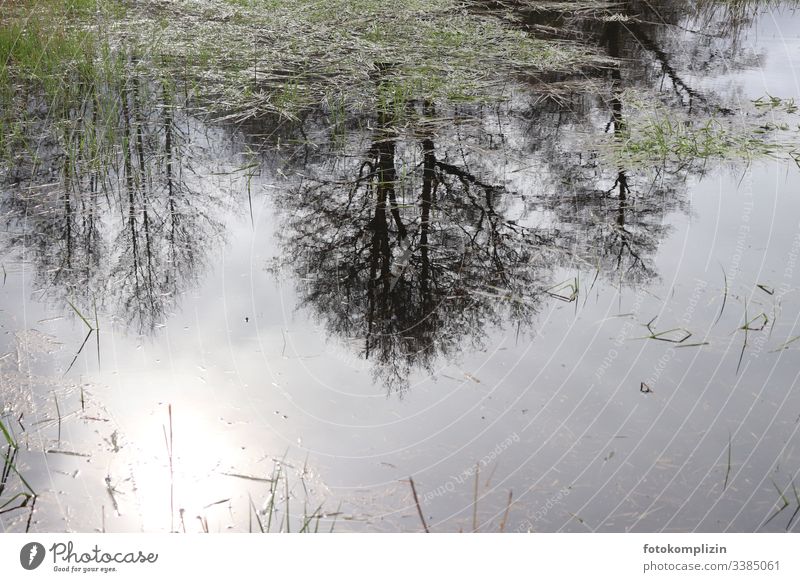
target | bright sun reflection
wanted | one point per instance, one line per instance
(181, 473)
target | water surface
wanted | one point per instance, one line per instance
(481, 297)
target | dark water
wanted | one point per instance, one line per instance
(455, 293)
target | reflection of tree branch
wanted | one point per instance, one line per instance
(464, 176)
(664, 60)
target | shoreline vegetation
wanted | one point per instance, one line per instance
(66, 63)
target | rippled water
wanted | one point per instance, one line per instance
(473, 296)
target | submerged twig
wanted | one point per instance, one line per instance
(419, 508)
(505, 515)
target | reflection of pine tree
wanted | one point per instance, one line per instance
(125, 223)
(169, 222)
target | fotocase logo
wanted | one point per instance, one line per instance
(31, 555)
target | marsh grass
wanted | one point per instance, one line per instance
(92, 329)
(19, 497)
(751, 324)
(658, 135)
(240, 59)
(56, 98)
(567, 291)
(676, 335)
(275, 514)
(728, 464)
(670, 139)
(475, 526)
(785, 345)
(784, 504)
(278, 513)
(237, 59)
(253, 57)
(724, 295)
(728, 16)
(169, 442)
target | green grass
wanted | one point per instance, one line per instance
(657, 135)
(47, 57)
(61, 81)
(19, 495)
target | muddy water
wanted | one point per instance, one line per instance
(472, 298)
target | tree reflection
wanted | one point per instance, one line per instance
(411, 254)
(417, 242)
(113, 212)
(414, 231)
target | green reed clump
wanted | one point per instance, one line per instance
(34, 52)
(58, 77)
(657, 135)
(13, 496)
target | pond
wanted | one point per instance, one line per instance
(362, 292)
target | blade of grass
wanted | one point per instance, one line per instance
(58, 412)
(475, 500)
(75, 309)
(339, 509)
(30, 515)
(724, 296)
(781, 508)
(23, 480)
(80, 349)
(7, 435)
(254, 511)
(308, 519)
(796, 511)
(744, 344)
(288, 515)
(168, 441)
(25, 496)
(728, 470)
